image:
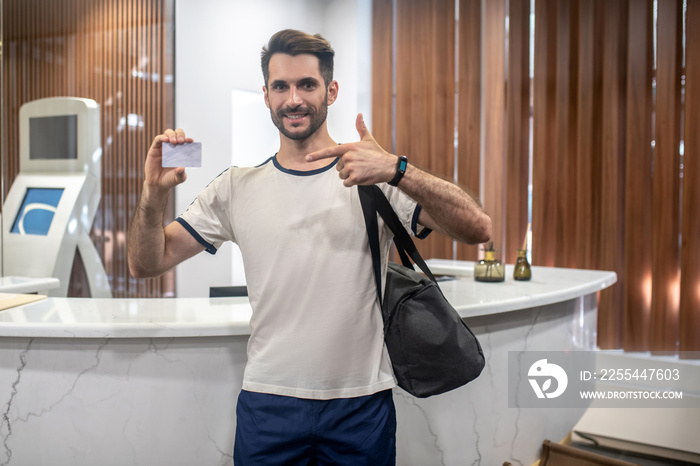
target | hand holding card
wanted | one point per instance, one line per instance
(188, 154)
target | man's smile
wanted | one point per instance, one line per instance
(295, 116)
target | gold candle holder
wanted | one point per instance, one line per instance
(522, 267)
(489, 269)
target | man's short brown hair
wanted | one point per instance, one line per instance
(293, 42)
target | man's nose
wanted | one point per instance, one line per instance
(294, 98)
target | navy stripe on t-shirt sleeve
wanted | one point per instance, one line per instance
(208, 247)
(414, 224)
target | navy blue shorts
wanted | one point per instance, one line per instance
(281, 430)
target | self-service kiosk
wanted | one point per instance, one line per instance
(49, 210)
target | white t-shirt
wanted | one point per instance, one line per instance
(316, 328)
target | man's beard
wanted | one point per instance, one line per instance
(316, 120)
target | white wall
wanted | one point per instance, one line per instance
(218, 44)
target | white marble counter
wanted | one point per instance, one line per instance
(155, 381)
(197, 317)
(548, 285)
(127, 318)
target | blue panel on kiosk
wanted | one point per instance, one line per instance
(36, 214)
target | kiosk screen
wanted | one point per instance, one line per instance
(53, 137)
(37, 211)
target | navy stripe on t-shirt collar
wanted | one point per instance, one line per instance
(303, 173)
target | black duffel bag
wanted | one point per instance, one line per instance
(431, 348)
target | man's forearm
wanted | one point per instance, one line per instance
(146, 246)
(453, 210)
(446, 207)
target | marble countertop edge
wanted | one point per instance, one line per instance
(207, 317)
(529, 293)
(123, 330)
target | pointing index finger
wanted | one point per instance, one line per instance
(335, 151)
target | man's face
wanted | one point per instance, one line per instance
(297, 95)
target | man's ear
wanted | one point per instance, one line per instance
(332, 92)
(267, 99)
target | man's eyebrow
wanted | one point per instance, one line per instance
(300, 82)
(308, 80)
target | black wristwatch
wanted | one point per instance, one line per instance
(401, 165)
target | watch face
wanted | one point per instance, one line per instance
(400, 170)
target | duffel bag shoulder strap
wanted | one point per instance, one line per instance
(370, 214)
(403, 241)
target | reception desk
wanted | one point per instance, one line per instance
(155, 381)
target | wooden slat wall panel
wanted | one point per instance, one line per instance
(665, 296)
(565, 200)
(119, 53)
(611, 116)
(555, 152)
(382, 78)
(469, 107)
(518, 128)
(588, 140)
(443, 70)
(443, 105)
(689, 324)
(637, 184)
(494, 119)
(544, 166)
(410, 74)
(579, 168)
(602, 197)
(425, 94)
(610, 325)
